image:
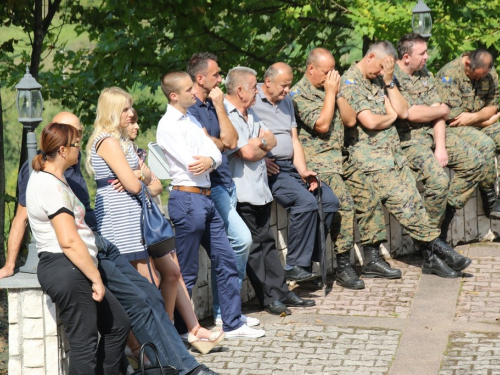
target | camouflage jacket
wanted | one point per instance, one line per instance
(418, 89)
(463, 95)
(322, 150)
(370, 150)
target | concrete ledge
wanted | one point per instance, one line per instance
(20, 281)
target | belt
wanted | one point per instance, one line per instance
(193, 189)
(104, 182)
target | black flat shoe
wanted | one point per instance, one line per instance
(277, 308)
(294, 300)
(298, 274)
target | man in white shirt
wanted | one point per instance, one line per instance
(249, 172)
(191, 156)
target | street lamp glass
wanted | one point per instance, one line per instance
(422, 23)
(36, 103)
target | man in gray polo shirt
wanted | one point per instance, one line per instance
(249, 172)
(288, 173)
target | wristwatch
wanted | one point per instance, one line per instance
(264, 143)
(340, 95)
(214, 164)
(390, 85)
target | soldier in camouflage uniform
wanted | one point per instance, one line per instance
(315, 101)
(426, 145)
(375, 149)
(469, 86)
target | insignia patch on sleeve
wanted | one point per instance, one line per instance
(447, 79)
(292, 93)
(350, 81)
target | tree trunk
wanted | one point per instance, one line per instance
(2, 188)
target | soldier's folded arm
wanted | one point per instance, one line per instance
(347, 113)
(425, 113)
(484, 116)
(372, 121)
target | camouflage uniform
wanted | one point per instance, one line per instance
(324, 156)
(463, 95)
(378, 154)
(417, 141)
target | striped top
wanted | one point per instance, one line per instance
(118, 214)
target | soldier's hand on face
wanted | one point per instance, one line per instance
(441, 156)
(389, 63)
(216, 95)
(332, 83)
(272, 167)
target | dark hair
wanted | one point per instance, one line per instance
(170, 82)
(406, 43)
(480, 58)
(53, 137)
(198, 63)
(135, 117)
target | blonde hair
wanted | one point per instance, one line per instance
(110, 106)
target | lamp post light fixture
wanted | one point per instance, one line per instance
(29, 105)
(421, 22)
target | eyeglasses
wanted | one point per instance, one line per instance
(76, 144)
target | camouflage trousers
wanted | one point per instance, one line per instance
(342, 229)
(397, 190)
(463, 159)
(487, 142)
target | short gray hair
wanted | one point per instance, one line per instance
(382, 49)
(235, 77)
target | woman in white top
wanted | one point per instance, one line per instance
(67, 270)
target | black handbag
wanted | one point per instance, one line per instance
(156, 231)
(157, 369)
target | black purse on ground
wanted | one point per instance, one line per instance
(157, 369)
(156, 231)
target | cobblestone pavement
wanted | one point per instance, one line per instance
(420, 324)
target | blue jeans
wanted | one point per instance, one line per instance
(144, 305)
(238, 233)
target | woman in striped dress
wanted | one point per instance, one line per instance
(112, 159)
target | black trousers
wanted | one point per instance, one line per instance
(84, 318)
(264, 268)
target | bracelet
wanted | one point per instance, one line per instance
(142, 177)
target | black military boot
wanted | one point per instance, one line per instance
(491, 204)
(434, 265)
(376, 266)
(345, 273)
(448, 217)
(453, 259)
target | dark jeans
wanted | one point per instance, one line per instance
(83, 317)
(264, 268)
(197, 221)
(292, 194)
(144, 305)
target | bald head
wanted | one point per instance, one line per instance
(318, 64)
(277, 81)
(319, 55)
(68, 118)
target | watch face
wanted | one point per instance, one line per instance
(391, 85)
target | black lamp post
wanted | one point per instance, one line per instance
(29, 104)
(421, 21)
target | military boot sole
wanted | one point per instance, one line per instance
(357, 285)
(430, 271)
(373, 275)
(495, 215)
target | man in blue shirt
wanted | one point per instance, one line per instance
(209, 111)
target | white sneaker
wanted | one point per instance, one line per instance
(248, 320)
(245, 332)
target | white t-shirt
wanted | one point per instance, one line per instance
(46, 197)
